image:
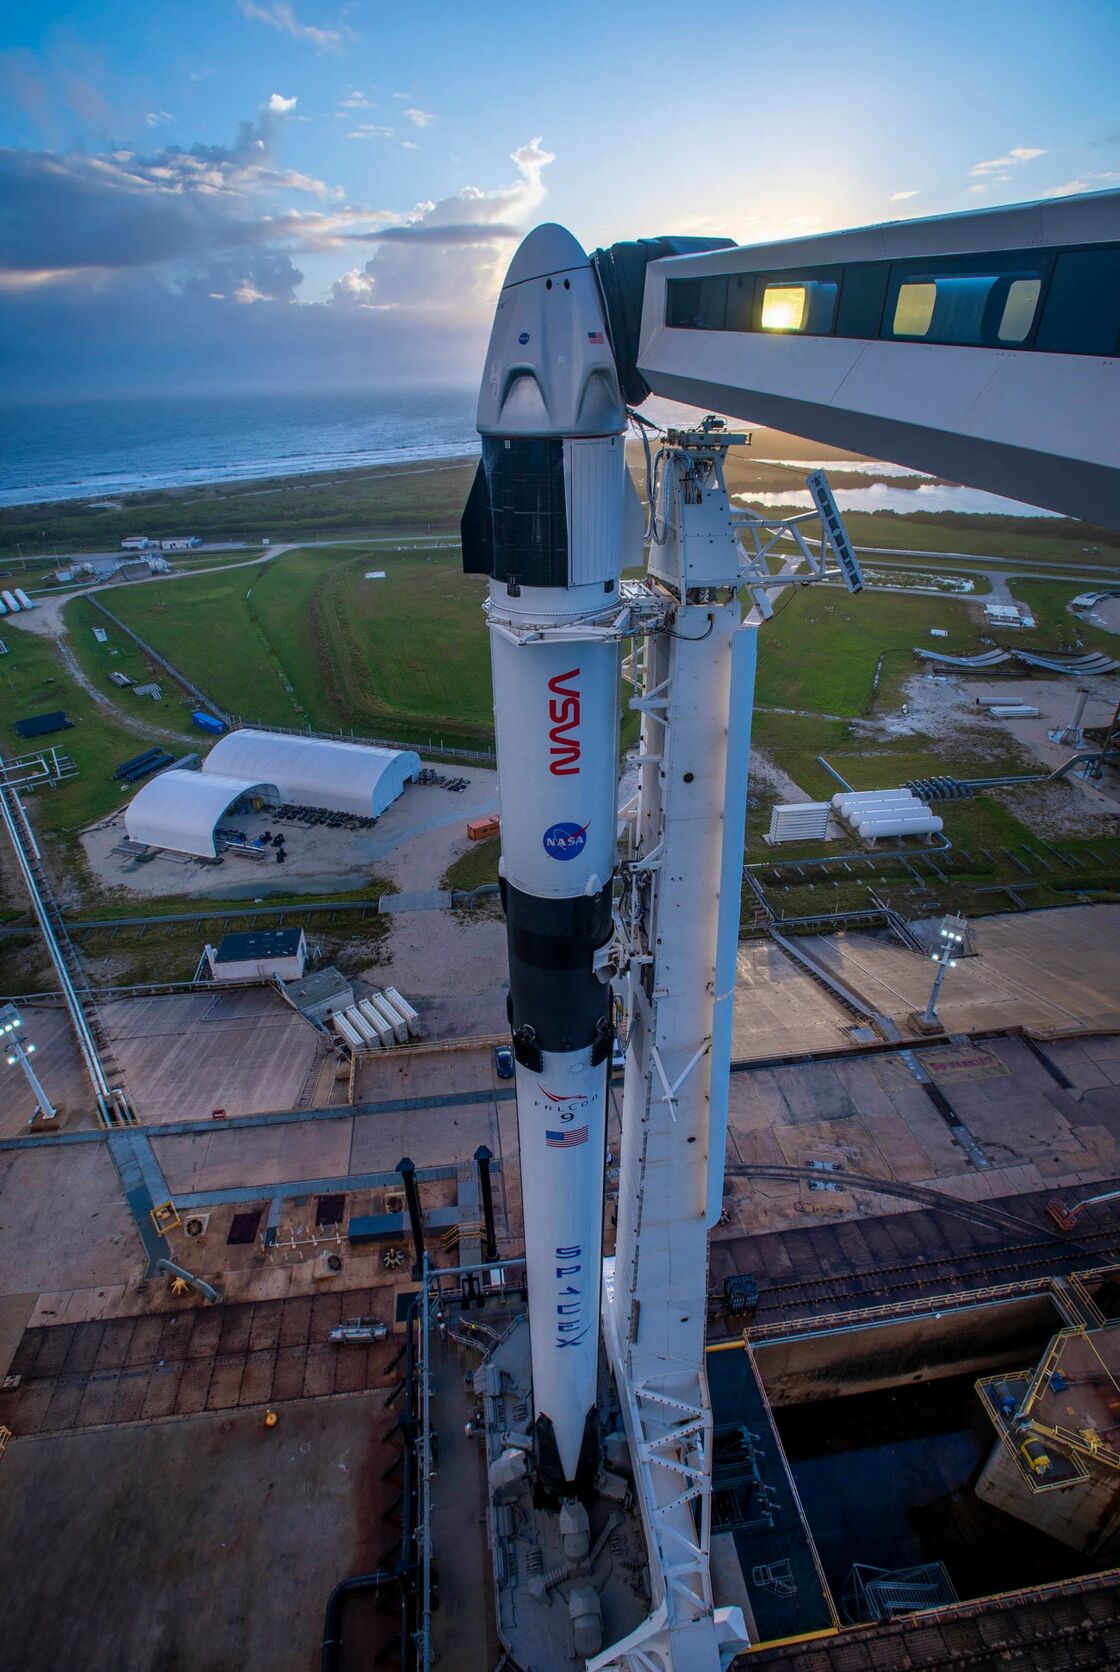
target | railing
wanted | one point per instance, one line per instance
(112, 1104)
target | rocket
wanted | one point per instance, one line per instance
(545, 521)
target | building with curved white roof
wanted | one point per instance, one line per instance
(181, 810)
(316, 771)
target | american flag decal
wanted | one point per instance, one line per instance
(594, 336)
(566, 1140)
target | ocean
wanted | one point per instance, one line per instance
(96, 449)
(93, 449)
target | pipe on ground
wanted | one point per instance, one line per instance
(332, 1619)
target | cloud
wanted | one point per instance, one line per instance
(356, 101)
(420, 118)
(449, 257)
(409, 145)
(158, 118)
(430, 232)
(123, 209)
(281, 16)
(1018, 154)
(1096, 181)
(353, 290)
(279, 105)
(371, 130)
(130, 270)
(901, 197)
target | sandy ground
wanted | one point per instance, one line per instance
(944, 707)
(762, 769)
(451, 964)
(1106, 614)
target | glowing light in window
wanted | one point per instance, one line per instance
(783, 307)
(913, 311)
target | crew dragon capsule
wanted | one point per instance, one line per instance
(545, 520)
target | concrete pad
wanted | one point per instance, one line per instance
(14, 1313)
(255, 1157)
(149, 1526)
(58, 1064)
(432, 1137)
(779, 1009)
(185, 1054)
(65, 1222)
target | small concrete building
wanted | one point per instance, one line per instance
(321, 994)
(259, 955)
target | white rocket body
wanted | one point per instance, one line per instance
(545, 521)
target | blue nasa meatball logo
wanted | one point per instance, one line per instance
(565, 841)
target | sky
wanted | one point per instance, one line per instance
(256, 194)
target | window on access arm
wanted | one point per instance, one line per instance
(1019, 310)
(913, 311)
(784, 307)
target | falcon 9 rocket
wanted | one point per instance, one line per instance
(545, 521)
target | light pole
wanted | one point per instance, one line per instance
(19, 1054)
(952, 939)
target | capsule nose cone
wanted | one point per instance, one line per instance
(547, 249)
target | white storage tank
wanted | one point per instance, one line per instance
(9, 599)
(377, 1022)
(3, 607)
(349, 1035)
(889, 824)
(397, 1022)
(23, 600)
(860, 804)
(844, 798)
(360, 1026)
(403, 1008)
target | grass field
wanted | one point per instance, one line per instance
(119, 655)
(418, 499)
(307, 639)
(1057, 627)
(823, 647)
(479, 864)
(34, 680)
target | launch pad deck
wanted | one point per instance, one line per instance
(531, 1577)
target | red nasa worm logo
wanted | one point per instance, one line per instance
(563, 711)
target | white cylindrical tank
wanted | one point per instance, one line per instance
(403, 1008)
(384, 1009)
(922, 824)
(9, 598)
(3, 607)
(23, 600)
(856, 804)
(349, 1035)
(377, 1022)
(361, 1026)
(885, 809)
